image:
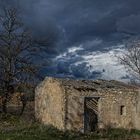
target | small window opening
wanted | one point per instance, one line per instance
(122, 110)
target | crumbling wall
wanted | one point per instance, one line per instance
(111, 114)
(49, 103)
(109, 107)
(75, 110)
(75, 107)
(61, 103)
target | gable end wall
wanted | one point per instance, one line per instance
(50, 103)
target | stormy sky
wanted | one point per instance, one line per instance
(84, 35)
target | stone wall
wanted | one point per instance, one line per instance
(109, 106)
(110, 109)
(49, 103)
(62, 105)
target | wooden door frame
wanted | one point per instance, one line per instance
(85, 98)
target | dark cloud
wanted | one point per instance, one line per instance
(78, 20)
(126, 25)
(96, 25)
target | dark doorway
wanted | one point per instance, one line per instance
(91, 114)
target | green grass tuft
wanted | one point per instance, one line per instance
(16, 128)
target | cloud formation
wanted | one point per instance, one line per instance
(91, 65)
(93, 25)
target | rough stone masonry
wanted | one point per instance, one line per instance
(86, 105)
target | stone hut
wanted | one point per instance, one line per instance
(85, 105)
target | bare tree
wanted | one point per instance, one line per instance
(18, 55)
(131, 58)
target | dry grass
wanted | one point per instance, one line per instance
(15, 127)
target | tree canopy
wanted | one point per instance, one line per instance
(19, 55)
(131, 58)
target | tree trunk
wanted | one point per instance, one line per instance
(5, 98)
(24, 102)
(4, 103)
(23, 107)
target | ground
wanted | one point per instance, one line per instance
(16, 127)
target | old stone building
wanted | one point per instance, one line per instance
(85, 105)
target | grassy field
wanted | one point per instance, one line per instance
(17, 128)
